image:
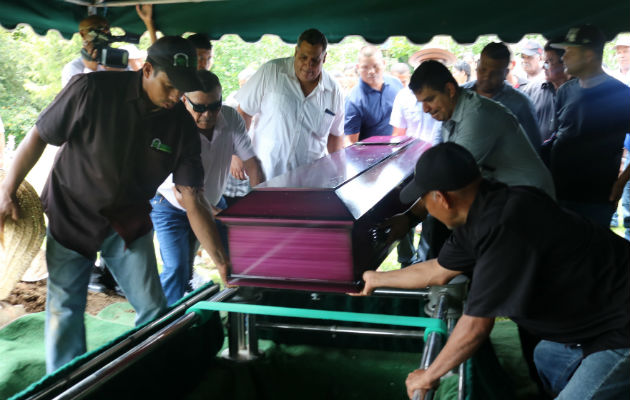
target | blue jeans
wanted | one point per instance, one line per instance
(178, 246)
(565, 373)
(134, 269)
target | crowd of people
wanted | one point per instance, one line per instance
(517, 192)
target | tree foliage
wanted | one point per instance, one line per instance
(30, 65)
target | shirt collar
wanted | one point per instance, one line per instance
(458, 112)
(593, 80)
(367, 88)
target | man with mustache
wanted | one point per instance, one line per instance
(300, 107)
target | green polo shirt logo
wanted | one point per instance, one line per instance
(158, 145)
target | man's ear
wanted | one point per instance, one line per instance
(324, 60)
(442, 199)
(450, 89)
(147, 70)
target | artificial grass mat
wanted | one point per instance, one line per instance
(182, 369)
(22, 344)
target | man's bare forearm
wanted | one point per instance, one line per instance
(202, 223)
(335, 143)
(468, 334)
(254, 171)
(351, 139)
(26, 157)
(416, 276)
(246, 117)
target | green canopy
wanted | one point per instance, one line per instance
(375, 20)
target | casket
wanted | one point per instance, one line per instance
(317, 226)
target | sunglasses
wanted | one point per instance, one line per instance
(202, 108)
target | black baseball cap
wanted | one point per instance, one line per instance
(584, 35)
(444, 167)
(178, 58)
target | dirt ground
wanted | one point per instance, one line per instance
(32, 296)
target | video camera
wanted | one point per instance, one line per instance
(106, 55)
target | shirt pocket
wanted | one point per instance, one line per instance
(322, 123)
(326, 124)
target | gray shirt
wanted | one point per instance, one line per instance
(497, 141)
(521, 106)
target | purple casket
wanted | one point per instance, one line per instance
(315, 227)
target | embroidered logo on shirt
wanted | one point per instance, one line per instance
(158, 145)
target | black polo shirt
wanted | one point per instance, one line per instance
(553, 272)
(116, 149)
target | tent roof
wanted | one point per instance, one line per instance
(375, 20)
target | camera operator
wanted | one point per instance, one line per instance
(82, 64)
(95, 33)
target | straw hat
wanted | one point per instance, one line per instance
(432, 53)
(22, 239)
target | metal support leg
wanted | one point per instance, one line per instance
(242, 336)
(252, 335)
(235, 334)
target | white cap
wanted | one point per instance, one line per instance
(622, 41)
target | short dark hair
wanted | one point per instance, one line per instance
(432, 74)
(462, 65)
(548, 47)
(313, 37)
(497, 51)
(209, 80)
(200, 41)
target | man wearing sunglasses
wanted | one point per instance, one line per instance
(222, 134)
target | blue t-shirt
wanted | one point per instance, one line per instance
(368, 111)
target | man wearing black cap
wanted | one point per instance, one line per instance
(121, 134)
(558, 276)
(592, 119)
